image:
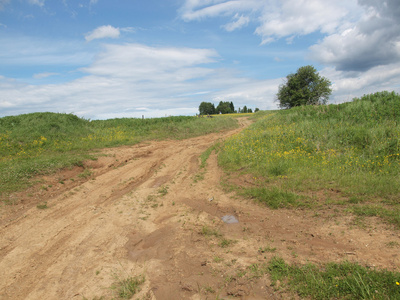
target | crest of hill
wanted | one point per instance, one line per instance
(51, 125)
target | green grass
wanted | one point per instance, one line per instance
(163, 190)
(126, 288)
(266, 249)
(344, 280)
(353, 148)
(209, 232)
(41, 143)
(206, 154)
(42, 205)
(273, 197)
(224, 243)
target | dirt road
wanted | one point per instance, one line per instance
(150, 210)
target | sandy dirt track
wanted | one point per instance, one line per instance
(143, 212)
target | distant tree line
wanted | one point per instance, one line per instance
(208, 108)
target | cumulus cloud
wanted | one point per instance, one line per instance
(276, 19)
(347, 85)
(373, 41)
(358, 35)
(103, 32)
(291, 17)
(146, 63)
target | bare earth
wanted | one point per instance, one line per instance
(143, 211)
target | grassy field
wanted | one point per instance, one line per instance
(352, 148)
(41, 143)
(350, 154)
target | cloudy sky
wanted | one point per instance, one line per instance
(102, 59)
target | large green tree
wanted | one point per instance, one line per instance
(305, 87)
(206, 108)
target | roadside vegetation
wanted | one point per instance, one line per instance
(351, 148)
(345, 157)
(335, 280)
(40, 143)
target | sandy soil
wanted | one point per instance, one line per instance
(144, 211)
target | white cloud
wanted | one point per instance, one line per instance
(37, 2)
(252, 93)
(372, 41)
(347, 85)
(240, 21)
(292, 17)
(197, 10)
(132, 80)
(103, 32)
(123, 78)
(276, 19)
(149, 63)
(357, 35)
(44, 75)
(128, 29)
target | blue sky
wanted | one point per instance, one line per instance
(102, 59)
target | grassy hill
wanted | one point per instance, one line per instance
(351, 148)
(333, 160)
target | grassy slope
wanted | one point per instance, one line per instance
(352, 148)
(39, 143)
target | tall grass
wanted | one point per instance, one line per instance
(352, 147)
(38, 143)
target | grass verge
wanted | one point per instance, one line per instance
(344, 280)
